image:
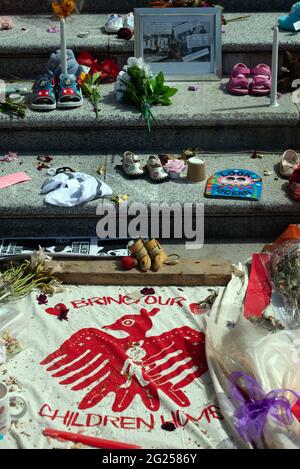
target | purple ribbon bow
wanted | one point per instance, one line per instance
(256, 405)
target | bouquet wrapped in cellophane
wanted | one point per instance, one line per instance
(255, 370)
(284, 271)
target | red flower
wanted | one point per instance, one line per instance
(125, 33)
(86, 59)
(108, 68)
(95, 67)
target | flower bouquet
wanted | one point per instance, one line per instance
(38, 272)
(91, 89)
(255, 373)
(14, 107)
(283, 269)
(137, 86)
(94, 74)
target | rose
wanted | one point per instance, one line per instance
(86, 59)
(125, 33)
(108, 68)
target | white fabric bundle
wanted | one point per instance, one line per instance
(70, 189)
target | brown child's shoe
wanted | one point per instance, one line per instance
(156, 253)
(139, 252)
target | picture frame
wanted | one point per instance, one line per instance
(184, 43)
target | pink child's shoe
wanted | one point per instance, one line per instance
(238, 82)
(262, 80)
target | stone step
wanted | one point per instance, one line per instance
(208, 118)
(24, 213)
(119, 6)
(235, 250)
(24, 54)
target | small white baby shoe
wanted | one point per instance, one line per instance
(155, 169)
(114, 23)
(131, 165)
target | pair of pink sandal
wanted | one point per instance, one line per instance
(239, 80)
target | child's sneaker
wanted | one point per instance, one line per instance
(287, 22)
(114, 23)
(43, 94)
(129, 21)
(69, 93)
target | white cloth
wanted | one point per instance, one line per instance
(70, 189)
(116, 369)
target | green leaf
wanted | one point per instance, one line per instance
(96, 77)
(160, 80)
(170, 92)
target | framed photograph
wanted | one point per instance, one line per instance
(184, 43)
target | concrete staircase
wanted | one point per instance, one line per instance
(104, 6)
(24, 53)
(226, 128)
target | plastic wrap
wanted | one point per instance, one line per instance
(271, 359)
(12, 324)
(283, 268)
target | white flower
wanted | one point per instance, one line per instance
(147, 70)
(57, 287)
(38, 257)
(132, 61)
(52, 267)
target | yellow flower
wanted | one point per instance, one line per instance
(82, 78)
(64, 9)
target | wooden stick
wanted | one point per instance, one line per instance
(239, 18)
(188, 272)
